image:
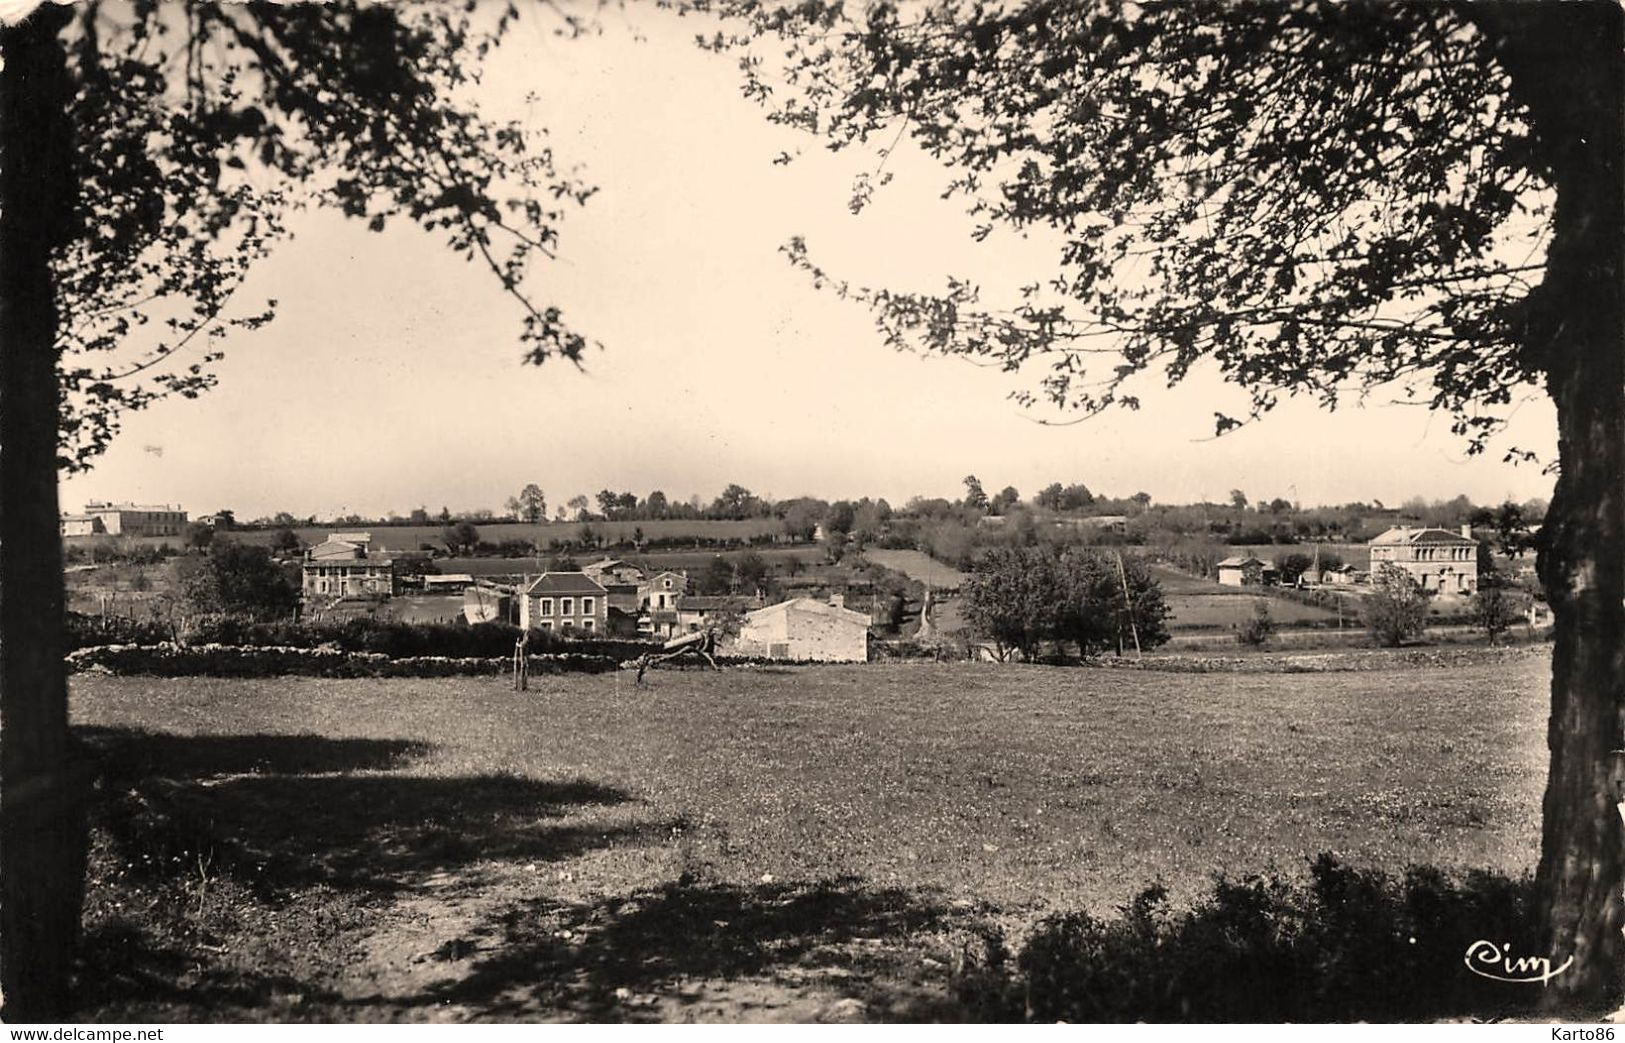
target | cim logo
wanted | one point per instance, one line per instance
(1496, 962)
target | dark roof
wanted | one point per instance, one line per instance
(346, 563)
(716, 603)
(564, 583)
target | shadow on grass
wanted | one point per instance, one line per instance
(133, 753)
(290, 811)
(572, 959)
(224, 868)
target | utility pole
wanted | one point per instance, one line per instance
(1128, 604)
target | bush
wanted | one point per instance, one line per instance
(1349, 945)
(82, 631)
(401, 640)
(1396, 610)
(1260, 628)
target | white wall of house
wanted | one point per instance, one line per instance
(797, 631)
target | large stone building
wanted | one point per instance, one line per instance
(347, 565)
(806, 629)
(564, 602)
(125, 519)
(1437, 559)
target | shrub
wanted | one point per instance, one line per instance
(1260, 628)
(1348, 945)
(82, 631)
(1396, 609)
(401, 640)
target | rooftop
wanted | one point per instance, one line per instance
(563, 583)
(820, 607)
(1404, 534)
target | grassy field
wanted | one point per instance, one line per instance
(806, 843)
(1202, 604)
(917, 565)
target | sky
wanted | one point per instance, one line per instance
(392, 379)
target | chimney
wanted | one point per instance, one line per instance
(1466, 531)
(838, 600)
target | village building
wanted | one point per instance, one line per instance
(1340, 575)
(614, 570)
(623, 584)
(1245, 571)
(125, 519)
(81, 525)
(1437, 559)
(447, 583)
(564, 602)
(803, 628)
(696, 612)
(1114, 523)
(662, 590)
(657, 601)
(347, 565)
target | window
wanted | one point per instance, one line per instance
(567, 624)
(586, 624)
(567, 606)
(668, 584)
(546, 608)
(547, 624)
(586, 606)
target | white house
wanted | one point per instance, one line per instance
(1245, 571)
(803, 628)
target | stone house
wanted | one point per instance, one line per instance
(81, 525)
(129, 519)
(347, 565)
(1439, 560)
(563, 602)
(803, 628)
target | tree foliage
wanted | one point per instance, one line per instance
(239, 579)
(1021, 597)
(461, 538)
(200, 127)
(1396, 609)
(1494, 608)
(1303, 196)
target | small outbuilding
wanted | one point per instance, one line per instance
(1245, 571)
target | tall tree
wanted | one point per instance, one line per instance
(975, 496)
(1308, 198)
(138, 139)
(532, 503)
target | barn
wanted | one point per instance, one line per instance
(804, 628)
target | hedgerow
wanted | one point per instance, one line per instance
(213, 660)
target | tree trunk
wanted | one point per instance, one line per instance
(1565, 69)
(42, 790)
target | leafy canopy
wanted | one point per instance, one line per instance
(1310, 197)
(199, 127)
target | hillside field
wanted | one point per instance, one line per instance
(410, 537)
(759, 844)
